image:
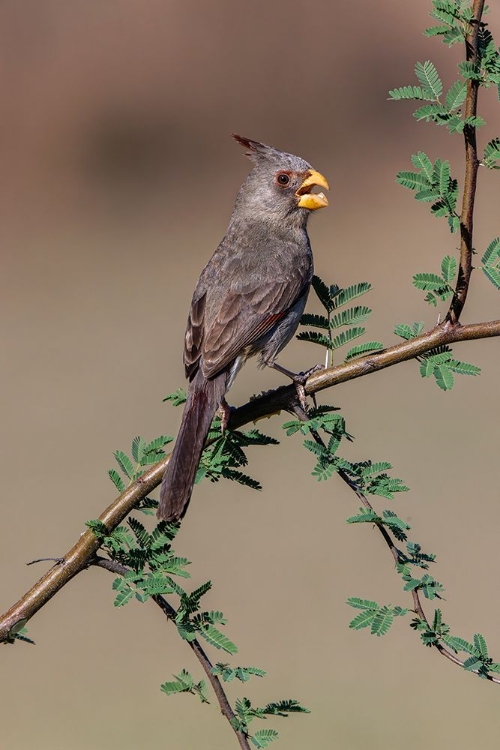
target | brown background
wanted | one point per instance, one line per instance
(117, 183)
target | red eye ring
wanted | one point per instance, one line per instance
(283, 179)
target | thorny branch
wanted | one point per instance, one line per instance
(471, 168)
(417, 602)
(281, 399)
(170, 613)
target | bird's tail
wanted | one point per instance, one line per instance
(204, 398)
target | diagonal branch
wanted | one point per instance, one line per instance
(284, 398)
(170, 613)
(471, 169)
(417, 602)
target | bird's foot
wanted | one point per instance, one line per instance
(299, 379)
(225, 415)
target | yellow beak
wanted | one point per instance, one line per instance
(309, 200)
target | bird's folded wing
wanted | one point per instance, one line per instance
(245, 317)
(194, 335)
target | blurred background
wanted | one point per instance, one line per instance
(118, 177)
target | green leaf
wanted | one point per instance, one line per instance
(363, 620)
(98, 528)
(474, 122)
(444, 377)
(284, 707)
(463, 368)
(116, 479)
(493, 275)
(263, 737)
(428, 76)
(442, 175)
(491, 262)
(449, 268)
(470, 71)
(480, 644)
(435, 112)
(408, 332)
(412, 180)
(349, 335)
(369, 346)
(456, 95)
(375, 468)
(241, 478)
(428, 281)
(317, 321)
(219, 640)
(357, 603)
(240, 673)
(137, 448)
(473, 664)
(125, 592)
(365, 516)
(177, 398)
(382, 621)
(459, 644)
(350, 316)
(492, 154)
(343, 296)
(492, 254)
(322, 293)
(407, 92)
(125, 463)
(314, 337)
(436, 31)
(156, 445)
(429, 195)
(184, 683)
(454, 223)
(422, 161)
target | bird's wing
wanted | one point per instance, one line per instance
(194, 335)
(244, 317)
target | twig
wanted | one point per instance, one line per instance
(80, 555)
(417, 603)
(170, 613)
(471, 169)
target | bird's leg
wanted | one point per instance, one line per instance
(225, 414)
(299, 379)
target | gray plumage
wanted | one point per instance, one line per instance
(248, 300)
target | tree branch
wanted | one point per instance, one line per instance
(284, 398)
(471, 168)
(170, 613)
(417, 603)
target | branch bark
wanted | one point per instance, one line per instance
(415, 594)
(471, 168)
(284, 398)
(195, 646)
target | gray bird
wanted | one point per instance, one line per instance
(248, 300)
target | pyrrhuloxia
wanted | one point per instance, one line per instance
(248, 300)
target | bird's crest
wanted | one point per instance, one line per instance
(256, 150)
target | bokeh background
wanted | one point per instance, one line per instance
(117, 183)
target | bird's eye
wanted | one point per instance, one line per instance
(283, 179)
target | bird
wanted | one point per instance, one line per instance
(248, 301)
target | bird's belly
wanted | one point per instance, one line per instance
(269, 346)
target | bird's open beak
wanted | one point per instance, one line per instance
(309, 200)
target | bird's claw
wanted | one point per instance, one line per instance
(300, 379)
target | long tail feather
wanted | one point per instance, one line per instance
(204, 398)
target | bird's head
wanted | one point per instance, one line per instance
(280, 185)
